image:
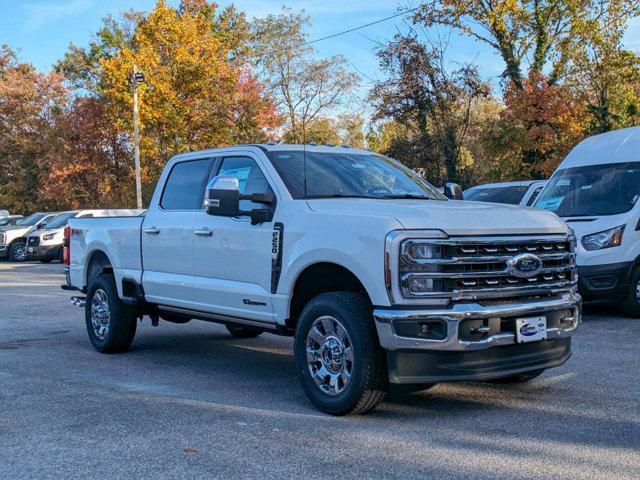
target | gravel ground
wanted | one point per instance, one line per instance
(189, 401)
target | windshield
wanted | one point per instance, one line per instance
(31, 220)
(608, 189)
(60, 221)
(354, 175)
(513, 194)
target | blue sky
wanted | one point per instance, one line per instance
(42, 29)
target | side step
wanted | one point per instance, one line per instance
(78, 301)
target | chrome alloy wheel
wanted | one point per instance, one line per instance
(329, 355)
(100, 314)
(20, 252)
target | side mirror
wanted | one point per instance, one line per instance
(223, 197)
(41, 226)
(453, 191)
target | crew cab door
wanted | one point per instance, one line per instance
(167, 235)
(233, 257)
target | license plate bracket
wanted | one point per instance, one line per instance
(531, 329)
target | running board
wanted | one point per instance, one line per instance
(78, 301)
(214, 317)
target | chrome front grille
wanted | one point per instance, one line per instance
(467, 269)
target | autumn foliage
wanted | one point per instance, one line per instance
(68, 144)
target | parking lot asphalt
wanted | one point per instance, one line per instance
(190, 401)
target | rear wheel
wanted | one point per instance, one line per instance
(338, 357)
(18, 251)
(518, 378)
(632, 303)
(111, 324)
(243, 332)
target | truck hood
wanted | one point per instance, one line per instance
(453, 217)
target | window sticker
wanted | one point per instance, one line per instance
(551, 204)
(242, 174)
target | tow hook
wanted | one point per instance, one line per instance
(78, 301)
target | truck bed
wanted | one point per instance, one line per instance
(118, 236)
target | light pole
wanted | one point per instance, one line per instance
(136, 78)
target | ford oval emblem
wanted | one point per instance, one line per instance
(524, 265)
(528, 330)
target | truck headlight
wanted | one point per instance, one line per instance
(417, 259)
(49, 236)
(607, 239)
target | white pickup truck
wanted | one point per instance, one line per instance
(380, 278)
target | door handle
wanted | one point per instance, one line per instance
(152, 231)
(203, 232)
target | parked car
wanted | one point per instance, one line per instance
(596, 190)
(379, 277)
(515, 193)
(10, 220)
(46, 244)
(13, 239)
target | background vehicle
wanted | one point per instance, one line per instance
(10, 220)
(596, 190)
(4, 213)
(378, 276)
(13, 239)
(515, 193)
(46, 244)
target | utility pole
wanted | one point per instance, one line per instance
(136, 78)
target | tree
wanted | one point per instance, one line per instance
(606, 75)
(541, 122)
(30, 105)
(304, 89)
(540, 32)
(428, 101)
(200, 91)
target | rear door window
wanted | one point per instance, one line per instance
(185, 186)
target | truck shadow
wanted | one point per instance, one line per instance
(260, 374)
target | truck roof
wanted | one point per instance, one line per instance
(618, 146)
(274, 147)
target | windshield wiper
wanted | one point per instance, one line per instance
(337, 195)
(410, 196)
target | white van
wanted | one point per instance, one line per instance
(596, 191)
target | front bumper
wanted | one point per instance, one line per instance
(44, 251)
(477, 341)
(604, 281)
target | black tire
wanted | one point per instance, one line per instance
(243, 332)
(518, 378)
(18, 252)
(369, 380)
(121, 322)
(632, 303)
(46, 260)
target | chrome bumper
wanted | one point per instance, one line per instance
(389, 340)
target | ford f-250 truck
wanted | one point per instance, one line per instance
(380, 278)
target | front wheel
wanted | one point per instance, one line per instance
(338, 357)
(632, 303)
(111, 324)
(18, 252)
